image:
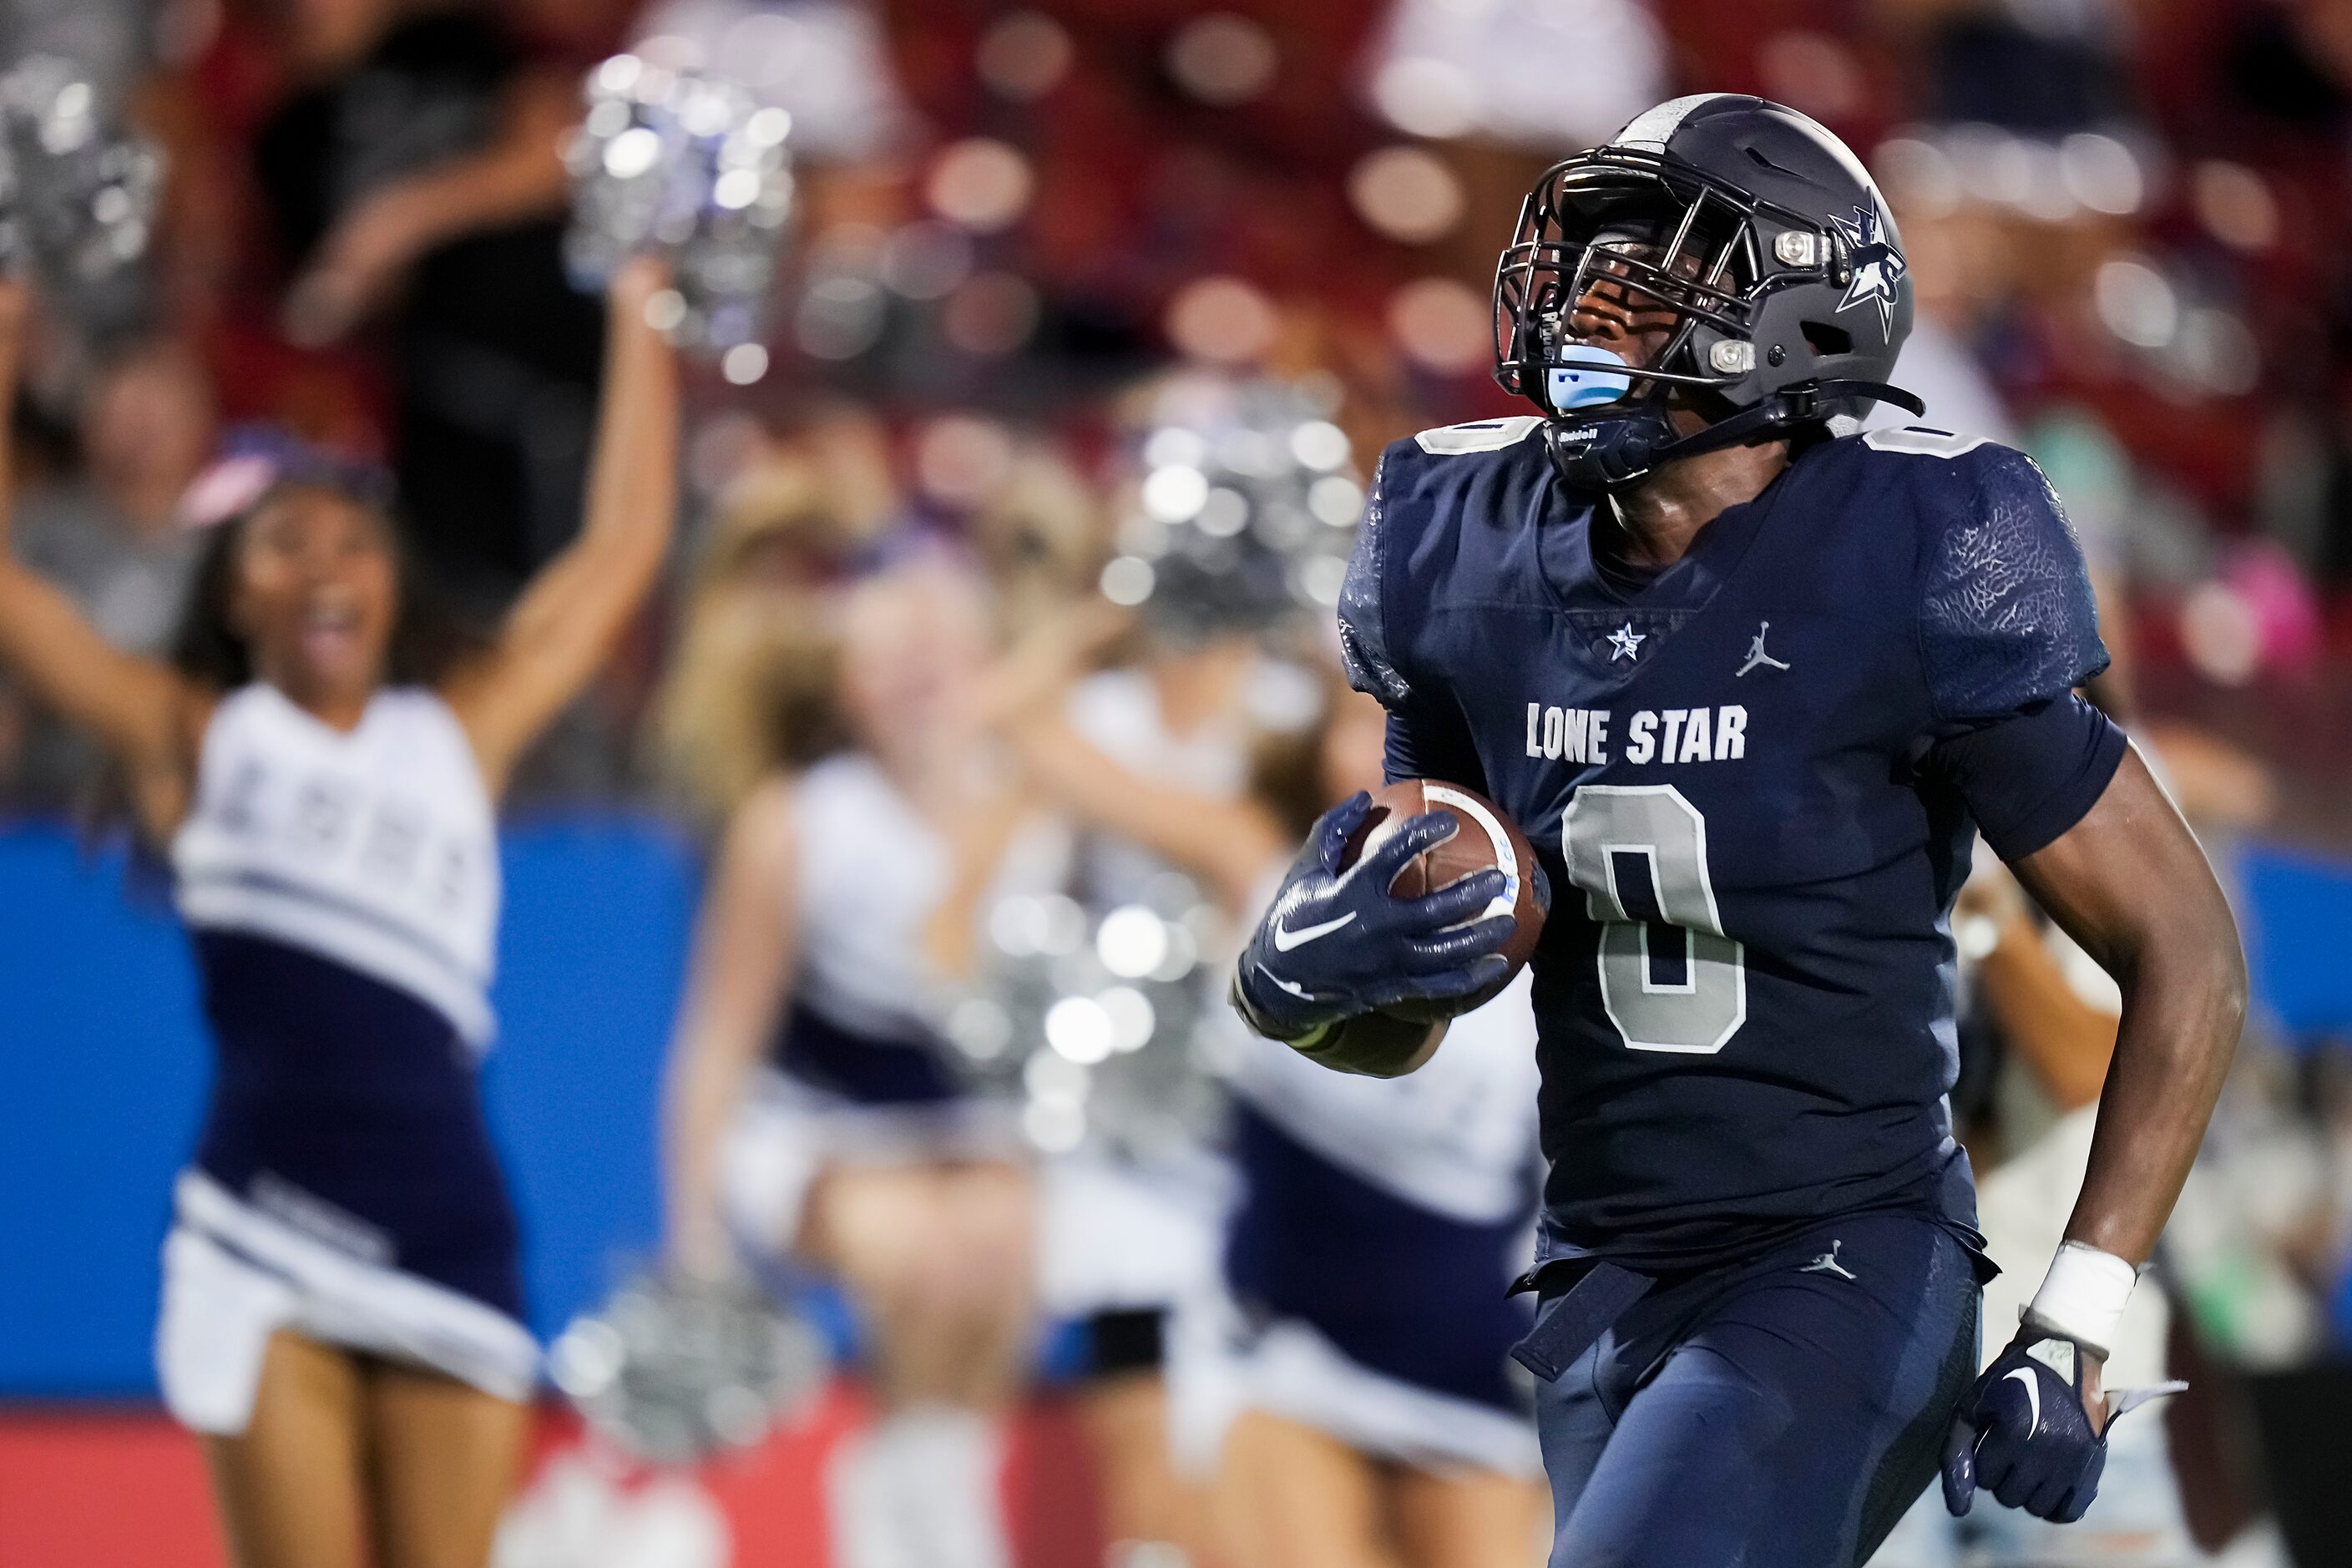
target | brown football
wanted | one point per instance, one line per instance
(1486, 838)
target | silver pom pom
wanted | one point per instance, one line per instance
(1245, 510)
(77, 195)
(690, 165)
(1101, 1027)
(674, 1368)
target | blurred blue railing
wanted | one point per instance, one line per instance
(105, 1062)
(105, 1065)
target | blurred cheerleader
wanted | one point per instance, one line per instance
(812, 1104)
(1373, 1414)
(749, 689)
(342, 1316)
(1130, 1238)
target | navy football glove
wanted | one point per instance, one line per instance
(2023, 1432)
(1337, 944)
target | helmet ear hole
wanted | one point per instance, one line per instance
(1826, 340)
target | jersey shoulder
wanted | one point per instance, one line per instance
(1453, 462)
(1426, 492)
(2004, 607)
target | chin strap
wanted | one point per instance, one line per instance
(1611, 452)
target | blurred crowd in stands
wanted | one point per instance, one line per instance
(2125, 222)
(2128, 221)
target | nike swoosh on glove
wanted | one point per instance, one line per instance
(2023, 1433)
(1337, 944)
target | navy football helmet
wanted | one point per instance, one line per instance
(1764, 238)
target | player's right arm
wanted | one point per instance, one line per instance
(140, 709)
(2129, 882)
(743, 954)
(2007, 634)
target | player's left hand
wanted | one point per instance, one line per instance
(2034, 1428)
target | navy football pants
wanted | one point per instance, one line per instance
(1781, 1412)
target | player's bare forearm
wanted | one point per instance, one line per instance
(1374, 1046)
(1371, 1045)
(2131, 884)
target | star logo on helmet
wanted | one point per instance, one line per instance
(1878, 267)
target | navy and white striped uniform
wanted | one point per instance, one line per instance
(343, 892)
(1380, 1224)
(858, 1070)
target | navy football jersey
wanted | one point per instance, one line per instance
(1751, 779)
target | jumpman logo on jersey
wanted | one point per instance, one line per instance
(1827, 1263)
(1756, 654)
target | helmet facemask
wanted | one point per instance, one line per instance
(1751, 290)
(1638, 241)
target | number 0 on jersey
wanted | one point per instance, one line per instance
(1670, 979)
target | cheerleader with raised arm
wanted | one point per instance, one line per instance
(1371, 1411)
(814, 1107)
(342, 1320)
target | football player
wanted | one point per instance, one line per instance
(1753, 682)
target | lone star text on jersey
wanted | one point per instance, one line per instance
(1661, 735)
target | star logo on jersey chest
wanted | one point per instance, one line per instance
(1877, 266)
(1626, 642)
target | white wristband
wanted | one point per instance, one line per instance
(2084, 1295)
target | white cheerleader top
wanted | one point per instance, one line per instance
(1116, 711)
(1458, 1136)
(375, 849)
(870, 870)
